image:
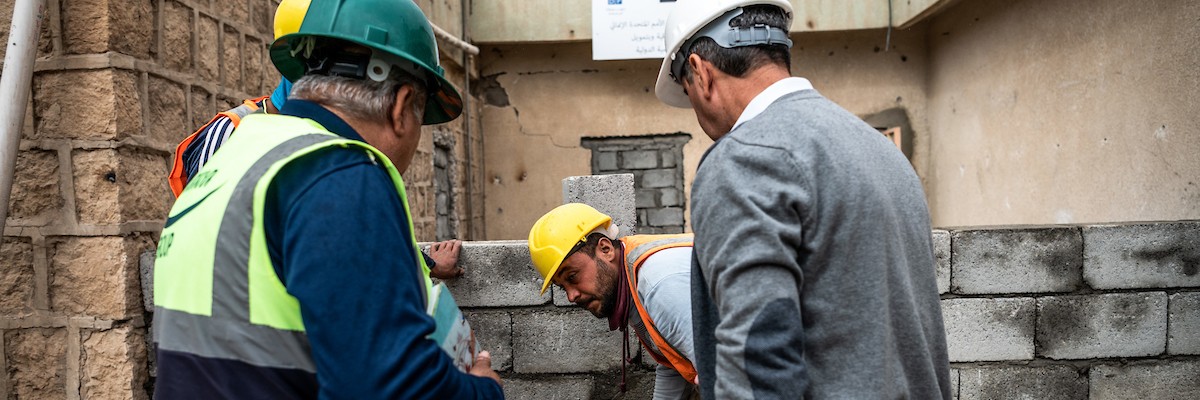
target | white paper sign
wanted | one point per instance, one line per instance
(629, 29)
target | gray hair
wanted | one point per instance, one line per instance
(361, 99)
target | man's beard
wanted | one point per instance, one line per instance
(606, 278)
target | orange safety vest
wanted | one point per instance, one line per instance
(178, 179)
(637, 249)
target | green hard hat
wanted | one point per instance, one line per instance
(396, 31)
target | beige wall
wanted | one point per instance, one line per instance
(1061, 111)
(556, 94)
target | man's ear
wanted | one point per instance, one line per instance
(606, 251)
(404, 105)
(701, 76)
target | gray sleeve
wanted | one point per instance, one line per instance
(669, 385)
(749, 207)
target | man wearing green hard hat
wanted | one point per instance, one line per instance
(288, 267)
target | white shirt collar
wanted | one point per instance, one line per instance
(769, 95)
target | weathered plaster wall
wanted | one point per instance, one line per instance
(541, 99)
(1062, 111)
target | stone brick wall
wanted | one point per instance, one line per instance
(656, 164)
(117, 84)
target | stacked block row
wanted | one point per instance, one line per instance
(656, 165)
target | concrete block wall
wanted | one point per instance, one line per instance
(1073, 312)
(656, 164)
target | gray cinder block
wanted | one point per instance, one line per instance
(941, 257)
(497, 274)
(1184, 334)
(563, 340)
(559, 387)
(1016, 261)
(609, 194)
(493, 330)
(989, 329)
(1146, 380)
(1102, 325)
(1142, 256)
(1020, 382)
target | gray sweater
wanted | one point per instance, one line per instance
(813, 273)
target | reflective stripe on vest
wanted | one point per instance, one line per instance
(216, 291)
(637, 249)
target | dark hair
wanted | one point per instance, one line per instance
(589, 247)
(739, 60)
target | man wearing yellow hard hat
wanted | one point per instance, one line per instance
(640, 281)
(288, 267)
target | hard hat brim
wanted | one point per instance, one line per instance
(667, 91)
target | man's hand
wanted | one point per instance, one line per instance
(483, 367)
(445, 258)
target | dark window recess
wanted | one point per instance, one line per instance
(656, 162)
(443, 186)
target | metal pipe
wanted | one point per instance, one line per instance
(466, 62)
(15, 83)
(454, 41)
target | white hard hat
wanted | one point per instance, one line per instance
(688, 18)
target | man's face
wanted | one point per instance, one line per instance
(589, 282)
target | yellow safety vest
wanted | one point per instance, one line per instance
(216, 294)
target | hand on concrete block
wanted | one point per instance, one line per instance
(445, 258)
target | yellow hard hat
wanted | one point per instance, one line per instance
(289, 15)
(556, 234)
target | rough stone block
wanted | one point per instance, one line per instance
(234, 10)
(660, 178)
(177, 37)
(1184, 334)
(989, 329)
(1146, 380)
(941, 257)
(113, 364)
(36, 359)
(91, 105)
(253, 66)
(646, 199)
(1016, 261)
(92, 276)
(132, 30)
(207, 45)
(168, 113)
(1013, 382)
(1102, 325)
(558, 387)
(1142, 256)
(16, 277)
(670, 197)
(497, 274)
(667, 216)
(639, 159)
(610, 194)
(120, 186)
(261, 14)
(493, 330)
(232, 50)
(202, 109)
(35, 188)
(92, 27)
(564, 340)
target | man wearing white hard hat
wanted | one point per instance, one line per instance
(813, 274)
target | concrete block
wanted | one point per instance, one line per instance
(1183, 336)
(113, 363)
(93, 276)
(610, 194)
(1146, 380)
(606, 161)
(177, 36)
(558, 387)
(667, 216)
(1142, 256)
(1020, 382)
(37, 362)
(563, 341)
(1016, 261)
(660, 178)
(36, 191)
(639, 383)
(493, 330)
(639, 159)
(989, 329)
(1102, 325)
(941, 257)
(646, 198)
(954, 380)
(497, 274)
(16, 278)
(670, 197)
(669, 159)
